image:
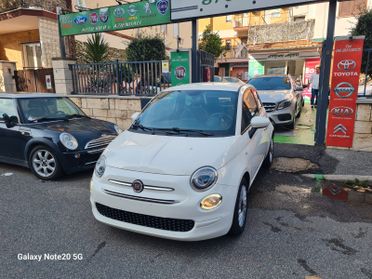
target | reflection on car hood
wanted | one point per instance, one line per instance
(273, 96)
(83, 129)
(169, 155)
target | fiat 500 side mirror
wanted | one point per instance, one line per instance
(259, 122)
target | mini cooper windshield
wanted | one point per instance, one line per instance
(190, 113)
(48, 109)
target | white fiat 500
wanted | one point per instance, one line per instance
(184, 168)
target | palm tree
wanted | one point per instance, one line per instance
(96, 49)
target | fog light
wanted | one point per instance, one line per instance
(211, 201)
(77, 155)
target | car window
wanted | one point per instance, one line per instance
(249, 109)
(9, 107)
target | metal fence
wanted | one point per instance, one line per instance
(365, 85)
(119, 78)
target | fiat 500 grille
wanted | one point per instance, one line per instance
(168, 224)
(269, 107)
(101, 142)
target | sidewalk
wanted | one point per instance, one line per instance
(330, 161)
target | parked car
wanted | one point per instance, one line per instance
(281, 97)
(184, 168)
(50, 134)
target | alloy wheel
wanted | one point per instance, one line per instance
(242, 211)
(44, 163)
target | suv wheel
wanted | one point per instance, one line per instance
(270, 156)
(44, 163)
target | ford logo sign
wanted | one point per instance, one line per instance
(80, 19)
(346, 65)
(344, 90)
(342, 112)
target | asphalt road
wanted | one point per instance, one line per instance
(291, 233)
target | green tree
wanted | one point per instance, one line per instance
(364, 27)
(211, 42)
(95, 49)
(146, 49)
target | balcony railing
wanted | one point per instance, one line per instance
(281, 32)
(239, 52)
(6, 6)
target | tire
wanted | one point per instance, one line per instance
(270, 156)
(241, 203)
(299, 113)
(291, 125)
(44, 163)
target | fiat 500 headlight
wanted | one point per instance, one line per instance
(204, 178)
(68, 141)
(100, 166)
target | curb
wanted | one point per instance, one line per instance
(339, 178)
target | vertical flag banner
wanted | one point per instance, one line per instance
(181, 67)
(347, 62)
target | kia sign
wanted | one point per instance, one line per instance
(182, 9)
(347, 61)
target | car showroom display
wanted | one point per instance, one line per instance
(184, 168)
(50, 134)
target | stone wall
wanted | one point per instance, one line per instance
(363, 126)
(114, 108)
(49, 39)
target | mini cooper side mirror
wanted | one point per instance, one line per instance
(259, 122)
(10, 121)
(135, 116)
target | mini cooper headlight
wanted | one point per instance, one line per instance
(117, 129)
(204, 178)
(100, 166)
(68, 141)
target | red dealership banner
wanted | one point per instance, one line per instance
(347, 62)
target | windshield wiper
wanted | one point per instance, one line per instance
(43, 119)
(137, 125)
(176, 130)
(76, 116)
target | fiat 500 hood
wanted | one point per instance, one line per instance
(168, 155)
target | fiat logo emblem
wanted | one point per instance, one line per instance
(137, 186)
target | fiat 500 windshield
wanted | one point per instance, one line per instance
(190, 113)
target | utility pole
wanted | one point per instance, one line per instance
(325, 72)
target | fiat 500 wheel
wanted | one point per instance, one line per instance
(270, 156)
(240, 211)
(44, 163)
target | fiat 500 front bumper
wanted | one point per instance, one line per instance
(167, 207)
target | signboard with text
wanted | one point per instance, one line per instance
(129, 16)
(182, 9)
(347, 62)
(180, 67)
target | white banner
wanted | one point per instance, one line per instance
(182, 9)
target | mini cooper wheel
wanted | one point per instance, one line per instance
(44, 163)
(270, 155)
(240, 211)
